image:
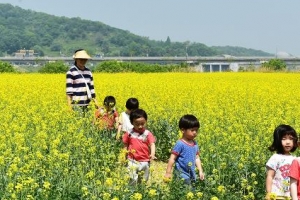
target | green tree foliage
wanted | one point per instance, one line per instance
(27, 29)
(54, 68)
(275, 64)
(6, 67)
(168, 41)
(118, 66)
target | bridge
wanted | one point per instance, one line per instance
(291, 62)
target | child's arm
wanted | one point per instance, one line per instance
(269, 180)
(170, 165)
(152, 151)
(120, 124)
(119, 131)
(96, 103)
(96, 117)
(117, 122)
(294, 189)
(199, 166)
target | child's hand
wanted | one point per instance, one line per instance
(152, 157)
(267, 197)
(167, 177)
(201, 176)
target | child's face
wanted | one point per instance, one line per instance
(287, 142)
(108, 108)
(139, 124)
(190, 133)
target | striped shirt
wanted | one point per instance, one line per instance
(75, 85)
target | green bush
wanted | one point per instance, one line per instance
(54, 68)
(274, 64)
(6, 67)
(119, 66)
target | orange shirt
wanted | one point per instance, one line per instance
(106, 119)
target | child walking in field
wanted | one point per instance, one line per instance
(185, 153)
(140, 144)
(278, 166)
(106, 117)
(124, 121)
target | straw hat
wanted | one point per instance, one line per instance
(81, 55)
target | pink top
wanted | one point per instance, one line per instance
(138, 145)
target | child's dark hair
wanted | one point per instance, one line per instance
(132, 104)
(279, 132)
(109, 101)
(189, 121)
(137, 113)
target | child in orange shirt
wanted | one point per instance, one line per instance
(106, 117)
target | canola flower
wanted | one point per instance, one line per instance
(199, 195)
(136, 196)
(44, 145)
(106, 196)
(221, 189)
(46, 185)
(152, 193)
(189, 195)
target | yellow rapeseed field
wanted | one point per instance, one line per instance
(47, 152)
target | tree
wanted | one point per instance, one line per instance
(168, 41)
(54, 68)
(275, 64)
(6, 67)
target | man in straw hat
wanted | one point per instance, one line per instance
(79, 84)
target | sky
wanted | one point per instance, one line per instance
(272, 26)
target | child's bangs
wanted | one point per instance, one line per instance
(290, 133)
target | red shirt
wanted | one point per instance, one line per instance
(138, 145)
(295, 173)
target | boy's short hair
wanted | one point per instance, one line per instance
(109, 101)
(189, 121)
(137, 113)
(132, 104)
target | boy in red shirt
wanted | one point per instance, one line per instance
(140, 144)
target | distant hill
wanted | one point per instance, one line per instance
(50, 35)
(240, 51)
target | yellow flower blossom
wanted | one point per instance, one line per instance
(189, 195)
(46, 185)
(199, 194)
(221, 189)
(136, 196)
(106, 196)
(152, 192)
(109, 182)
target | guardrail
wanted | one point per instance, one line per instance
(196, 59)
